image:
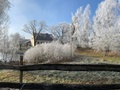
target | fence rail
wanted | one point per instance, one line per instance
(43, 86)
(62, 67)
(9, 67)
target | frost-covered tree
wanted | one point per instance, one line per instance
(115, 43)
(61, 32)
(82, 24)
(4, 6)
(4, 45)
(105, 26)
(15, 42)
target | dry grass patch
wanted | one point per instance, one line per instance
(112, 57)
(64, 77)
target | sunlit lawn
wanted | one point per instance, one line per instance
(110, 58)
(81, 77)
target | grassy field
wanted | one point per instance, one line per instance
(113, 58)
(83, 56)
(62, 77)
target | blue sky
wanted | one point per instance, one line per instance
(51, 11)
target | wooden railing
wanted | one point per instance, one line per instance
(62, 67)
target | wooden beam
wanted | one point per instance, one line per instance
(43, 86)
(64, 67)
(21, 72)
(72, 67)
(9, 67)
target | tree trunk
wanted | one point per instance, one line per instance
(34, 39)
(105, 53)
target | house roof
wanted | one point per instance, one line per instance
(43, 36)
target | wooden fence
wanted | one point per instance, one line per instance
(62, 67)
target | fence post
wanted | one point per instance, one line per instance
(21, 72)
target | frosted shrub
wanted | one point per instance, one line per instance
(49, 53)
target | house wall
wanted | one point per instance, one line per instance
(42, 41)
(38, 41)
(32, 40)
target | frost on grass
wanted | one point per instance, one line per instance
(49, 53)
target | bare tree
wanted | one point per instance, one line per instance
(34, 27)
(61, 32)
